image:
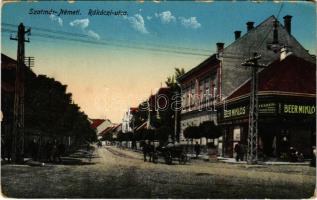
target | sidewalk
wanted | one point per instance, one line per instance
(233, 161)
(207, 158)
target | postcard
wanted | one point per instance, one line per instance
(158, 99)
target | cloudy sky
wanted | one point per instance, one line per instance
(112, 62)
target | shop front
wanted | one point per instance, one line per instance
(283, 122)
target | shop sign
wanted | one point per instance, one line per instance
(267, 108)
(299, 109)
(235, 112)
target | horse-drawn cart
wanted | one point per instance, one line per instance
(171, 152)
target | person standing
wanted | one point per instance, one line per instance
(144, 150)
(33, 148)
(242, 152)
(197, 149)
(237, 150)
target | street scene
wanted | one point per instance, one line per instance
(158, 100)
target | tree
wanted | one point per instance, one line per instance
(175, 92)
(163, 132)
(210, 130)
(171, 81)
(50, 110)
(192, 132)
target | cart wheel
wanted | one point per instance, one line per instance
(182, 159)
(155, 158)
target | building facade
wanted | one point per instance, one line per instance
(287, 110)
(222, 73)
(199, 90)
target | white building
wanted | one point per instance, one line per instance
(127, 125)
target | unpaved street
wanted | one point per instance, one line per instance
(116, 173)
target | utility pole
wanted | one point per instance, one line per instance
(18, 110)
(252, 154)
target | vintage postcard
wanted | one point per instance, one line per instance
(158, 99)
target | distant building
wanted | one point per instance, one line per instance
(100, 125)
(111, 132)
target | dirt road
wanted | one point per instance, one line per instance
(116, 173)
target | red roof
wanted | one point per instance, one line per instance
(96, 122)
(106, 130)
(291, 75)
(110, 129)
(134, 109)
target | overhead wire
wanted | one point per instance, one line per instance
(88, 39)
(47, 36)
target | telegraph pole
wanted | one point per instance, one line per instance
(252, 154)
(18, 110)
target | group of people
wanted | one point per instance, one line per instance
(51, 151)
(148, 149)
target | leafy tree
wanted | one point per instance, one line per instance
(163, 132)
(210, 130)
(50, 110)
(175, 87)
(172, 80)
(192, 132)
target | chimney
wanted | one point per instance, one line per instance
(237, 35)
(275, 33)
(288, 23)
(220, 47)
(250, 26)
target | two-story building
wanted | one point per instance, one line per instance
(222, 73)
(200, 88)
(286, 109)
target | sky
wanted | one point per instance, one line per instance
(129, 56)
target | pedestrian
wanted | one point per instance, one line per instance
(48, 150)
(144, 150)
(242, 151)
(237, 150)
(60, 151)
(54, 151)
(150, 152)
(197, 149)
(33, 148)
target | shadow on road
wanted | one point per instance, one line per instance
(80, 157)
